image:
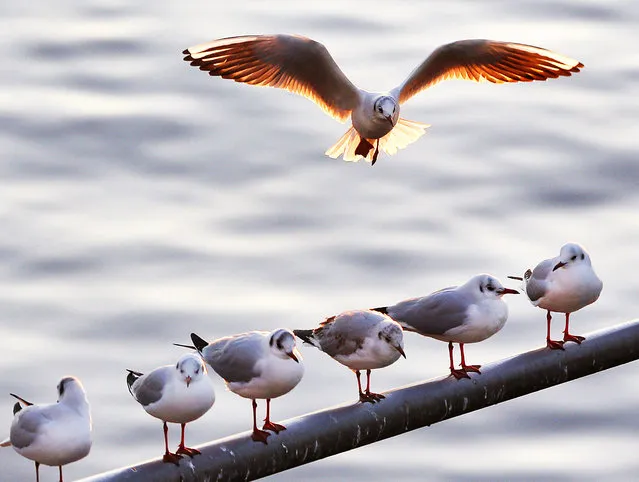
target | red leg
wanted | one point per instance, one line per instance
(456, 373)
(552, 344)
(375, 397)
(258, 435)
(168, 456)
(375, 154)
(568, 337)
(60, 470)
(37, 464)
(268, 425)
(184, 450)
(467, 368)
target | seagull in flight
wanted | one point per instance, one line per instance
(303, 66)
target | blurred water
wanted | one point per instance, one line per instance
(143, 200)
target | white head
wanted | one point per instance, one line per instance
(190, 368)
(571, 254)
(71, 392)
(386, 109)
(487, 286)
(393, 334)
(282, 344)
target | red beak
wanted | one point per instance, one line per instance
(188, 380)
(508, 291)
(561, 264)
(292, 355)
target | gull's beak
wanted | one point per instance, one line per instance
(508, 291)
(561, 264)
(188, 380)
(390, 119)
(400, 350)
(292, 355)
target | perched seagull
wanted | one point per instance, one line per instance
(563, 284)
(177, 393)
(360, 340)
(55, 434)
(463, 314)
(304, 66)
(255, 365)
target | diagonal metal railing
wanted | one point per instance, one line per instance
(338, 429)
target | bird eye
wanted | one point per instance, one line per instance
(573, 258)
(490, 288)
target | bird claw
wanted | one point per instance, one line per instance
(170, 458)
(371, 397)
(274, 427)
(187, 451)
(555, 344)
(260, 436)
(471, 368)
(459, 374)
(576, 338)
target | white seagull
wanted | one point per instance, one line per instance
(463, 314)
(563, 284)
(179, 393)
(256, 365)
(360, 340)
(55, 434)
(304, 66)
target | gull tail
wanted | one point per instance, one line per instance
(307, 336)
(404, 133)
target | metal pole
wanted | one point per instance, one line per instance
(331, 431)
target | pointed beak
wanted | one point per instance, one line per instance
(508, 291)
(188, 380)
(389, 118)
(400, 350)
(293, 356)
(561, 264)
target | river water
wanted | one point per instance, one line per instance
(142, 200)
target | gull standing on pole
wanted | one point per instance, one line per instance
(256, 365)
(177, 393)
(55, 434)
(304, 66)
(360, 340)
(563, 284)
(463, 314)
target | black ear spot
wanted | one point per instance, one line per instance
(481, 288)
(583, 256)
(61, 389)
(271, 341)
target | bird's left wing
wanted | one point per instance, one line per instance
(295, 63)
(486, 61)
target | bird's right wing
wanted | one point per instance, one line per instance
(486, 61)
(292, 62)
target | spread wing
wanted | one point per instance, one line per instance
(434, 314)
(295, 63)
(486, 60)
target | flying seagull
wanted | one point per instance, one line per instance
(304, 66)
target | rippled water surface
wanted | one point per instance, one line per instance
(142, 200)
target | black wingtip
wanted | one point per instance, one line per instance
(518, 278)
(304, 335)
(199, 343)
(184, 346)
(17, 407)
(131, 378)
(27, 403)
(381, 309)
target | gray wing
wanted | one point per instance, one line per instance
(292, 62)
(28, 424)
(486, 60)
(148, 388)
(234, 358)
(536, 284)
(434, 314)
(345, 334)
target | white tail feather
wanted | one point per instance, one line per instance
(404, 133)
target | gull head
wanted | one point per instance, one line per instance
(487, 286)
(386, 109)
(282, 344)
(571, 254)
(393, 334)
(71, 391)
(190, 368)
